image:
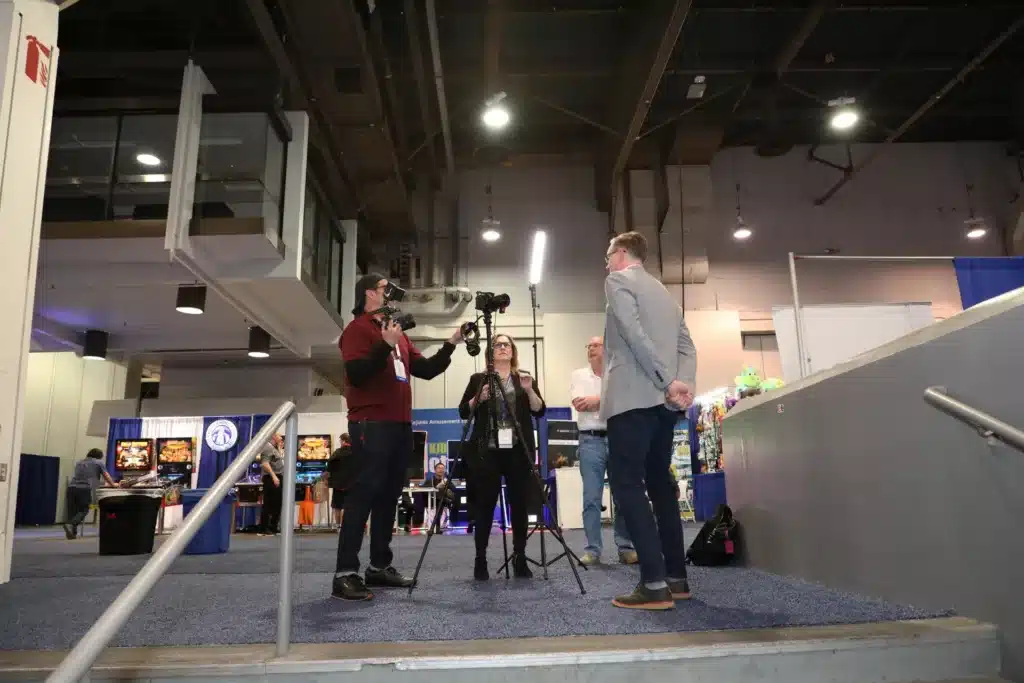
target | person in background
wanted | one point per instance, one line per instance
(89, 472)
(499, 452)
(379, 360)
(655, 366)
(585, 391)
(341, 473)
(272, 466)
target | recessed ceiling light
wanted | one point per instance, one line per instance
(976, 233)
(844, 119)
(491, 235)
(259, 354)
(742, 233)
(495, 117)
(147, 159)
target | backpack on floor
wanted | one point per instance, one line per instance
(717, 541)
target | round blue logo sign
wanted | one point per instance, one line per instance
(221, 435)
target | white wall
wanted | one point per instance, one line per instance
(252, 380)
(58, 400)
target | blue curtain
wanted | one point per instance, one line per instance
(212, 463)
(120, 428)
(257, 424)
(980, 279)
(38, 484)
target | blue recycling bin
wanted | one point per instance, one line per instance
(215, 535)
(708, 494)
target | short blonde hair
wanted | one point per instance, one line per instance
(634, 243)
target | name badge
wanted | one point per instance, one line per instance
(505, 437)
(400, 370)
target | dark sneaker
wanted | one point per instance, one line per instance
(480, 572)
(646, 598)
(680, 589)
(350, 587)
(520, 567)
(387, 578)
(69, 532)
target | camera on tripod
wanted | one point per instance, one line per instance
(489, 302)
(392, 314)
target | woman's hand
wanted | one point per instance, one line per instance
(526, 381)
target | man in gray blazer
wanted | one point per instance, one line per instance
(650, 368)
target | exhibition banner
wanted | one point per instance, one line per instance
(440, 425)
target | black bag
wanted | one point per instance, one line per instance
(717, 542)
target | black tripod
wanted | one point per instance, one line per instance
(490, 429)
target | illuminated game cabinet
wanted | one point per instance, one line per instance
(314, 452)
(417, 467)
(175, 460)
(133, 455)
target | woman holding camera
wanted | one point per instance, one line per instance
(499, 452)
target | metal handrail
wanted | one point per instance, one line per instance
(988, 427)
(81, 658)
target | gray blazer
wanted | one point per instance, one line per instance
(646, 343)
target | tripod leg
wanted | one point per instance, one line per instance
(504, 534)
(435, 525)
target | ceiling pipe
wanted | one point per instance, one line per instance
(924, 108)
(442, 102)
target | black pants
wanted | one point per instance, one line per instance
(382, 450)
(270, 519)
(78, 502)
(513, 465)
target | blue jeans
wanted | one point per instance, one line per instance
(639, 454)
(593, 453)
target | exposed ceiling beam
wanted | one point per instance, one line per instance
(492, 46)
(297, 85)
(923, 109)
(648, 54)
(113, 63)
(442, 100)
(397, 121)
(412, 28)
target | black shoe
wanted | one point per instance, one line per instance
(680, 589)
(520, 568)
(646, 598)
(480, 572)
(350, 587)
(387, 578)
(70, 532)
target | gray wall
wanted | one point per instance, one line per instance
(855, 482)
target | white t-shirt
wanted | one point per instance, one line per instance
(584, 382)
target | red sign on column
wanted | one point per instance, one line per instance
(37, 61)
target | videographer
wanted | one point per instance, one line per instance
(379, 359)
(498, 451)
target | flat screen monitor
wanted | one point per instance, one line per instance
(315, 448)
(417, 458)
(171, 450)
(133, 455)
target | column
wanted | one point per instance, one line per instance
(28, 38)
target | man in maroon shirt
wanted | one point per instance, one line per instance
(379, 360)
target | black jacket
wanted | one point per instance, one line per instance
(481, 414)
(341, 469)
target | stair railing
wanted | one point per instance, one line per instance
(987, 426)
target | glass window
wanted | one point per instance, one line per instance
(323, 251)
(309, 233)
(78, 173)
(145, 154)
(335, 284)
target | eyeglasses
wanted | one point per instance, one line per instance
(595, 345)
(608, 256)
(502, 345)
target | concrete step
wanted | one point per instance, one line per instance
(932, 650)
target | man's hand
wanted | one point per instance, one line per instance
(587, 404)
(456, 337)
(679, 395)
(392, 333)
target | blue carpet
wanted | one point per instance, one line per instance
(62, 587)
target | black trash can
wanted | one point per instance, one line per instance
(128, 522)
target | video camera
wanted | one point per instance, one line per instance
(487, 303)
(392, 314)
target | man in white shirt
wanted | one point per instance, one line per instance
(585, 390)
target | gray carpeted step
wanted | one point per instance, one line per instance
(933, 650)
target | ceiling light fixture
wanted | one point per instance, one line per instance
(495, 115)
(191, 300)
(147, 159)
(844, 119)
(742, 233)
(95, 346)
(976, 228)
(490, 235)
(259, 342)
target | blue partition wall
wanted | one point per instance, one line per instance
(981, 279)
